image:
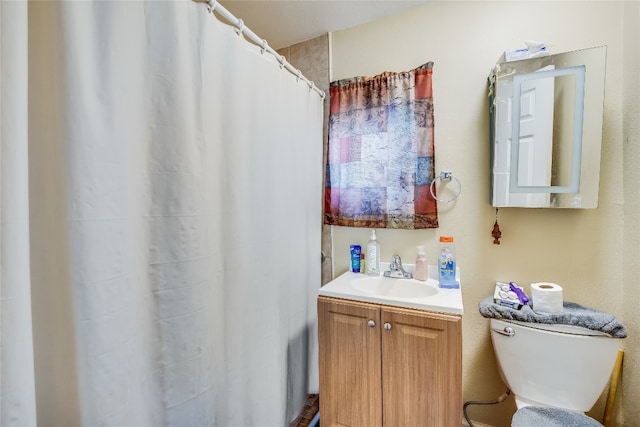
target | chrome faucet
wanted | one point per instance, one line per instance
(396, 270)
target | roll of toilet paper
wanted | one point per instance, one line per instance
(546, 297)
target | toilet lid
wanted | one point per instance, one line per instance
(551, 417)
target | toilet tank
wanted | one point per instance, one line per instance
(553, 365)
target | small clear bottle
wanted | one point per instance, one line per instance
(372, 263)
(421, 264)
(447, 263)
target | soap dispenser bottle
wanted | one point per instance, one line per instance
(421, 264)
(372, 264)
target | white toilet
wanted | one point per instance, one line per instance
(553, 365)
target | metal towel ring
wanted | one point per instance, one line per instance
(445, 176)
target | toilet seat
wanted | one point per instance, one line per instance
(551, 417)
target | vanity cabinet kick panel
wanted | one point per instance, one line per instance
(407, 375)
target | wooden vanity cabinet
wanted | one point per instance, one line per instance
(387, 366)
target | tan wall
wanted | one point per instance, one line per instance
(582, 250)
(631, 150)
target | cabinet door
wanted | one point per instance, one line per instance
(421, 369)
(350, 369)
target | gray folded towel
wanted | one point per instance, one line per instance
(572, 314)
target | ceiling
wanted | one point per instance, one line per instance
(286, 22)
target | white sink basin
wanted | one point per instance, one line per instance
(398, 288)
(407, 293)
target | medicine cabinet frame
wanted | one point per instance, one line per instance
(550, 158)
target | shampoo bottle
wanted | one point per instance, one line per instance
(421, 264)
(447, 263)
(372, 264)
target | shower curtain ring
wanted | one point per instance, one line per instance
(240, 27)
(263, 46)
(212, 5)
(298, 75)
(282, 60)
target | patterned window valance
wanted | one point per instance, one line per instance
(380, 160)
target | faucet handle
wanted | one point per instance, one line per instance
(395, 260)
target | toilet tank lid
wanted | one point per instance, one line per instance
(558, 327)
(573, 314)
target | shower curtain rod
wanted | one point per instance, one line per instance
(214, 6)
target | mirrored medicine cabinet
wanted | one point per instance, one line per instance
(550, 156)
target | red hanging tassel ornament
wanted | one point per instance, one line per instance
(496, 233)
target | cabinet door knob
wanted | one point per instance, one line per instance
(387, 326)
(371, 323)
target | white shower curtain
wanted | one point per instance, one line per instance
(160, 220)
